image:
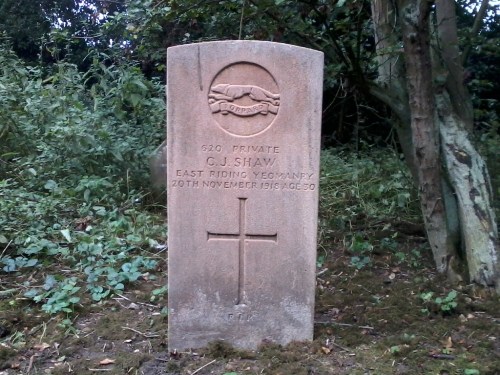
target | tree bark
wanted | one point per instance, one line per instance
(391, 85)
(452, 177)
(414, 16)
(450, 58)
(468, 174)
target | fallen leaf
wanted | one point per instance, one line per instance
(41, 347)
(325, 350)
(335, 311)
(447, 343)
(106, 361)
(175, 354)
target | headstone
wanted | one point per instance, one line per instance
(243, 133)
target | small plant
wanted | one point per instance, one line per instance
(361, 248)
(156, 294)
(57, 296)
(471, 371)
(320, 261)
(399, 350)
(445, 305)
(448, 303)
(395, 349)
(360, 262)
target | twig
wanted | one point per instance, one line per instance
(118, 300)
(345, 325)
(44, 325)
(202, 367)
(340, 347)
(139, 303)
(7, 292)
(322, 272)
(241, 19)
(146, 335)
(443, 356)
(100, 369)
(32, 359)
(122, 296)
(5, 249)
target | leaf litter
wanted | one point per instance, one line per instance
(367, 321)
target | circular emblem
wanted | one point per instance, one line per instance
(244, 99)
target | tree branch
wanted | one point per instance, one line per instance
(452, 64)
(478, 22)
(392, 101)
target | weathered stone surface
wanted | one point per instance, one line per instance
(243, 139)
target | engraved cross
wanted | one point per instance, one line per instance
(243, 237)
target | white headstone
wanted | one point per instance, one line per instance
(243, 133)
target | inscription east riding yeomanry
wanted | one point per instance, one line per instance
(223, 95)
(243, 237)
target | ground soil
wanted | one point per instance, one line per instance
(370, 320)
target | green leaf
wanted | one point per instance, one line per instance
(118, 155)
(31, 263)
(32, 293)
(74, 300)
(50, 185)
(66, 234)
(159, 291)
(135, 99)
(10, 265)
(50, 282)
(3, 239)
(452, 295)
(395, 349)
(86, 195)
(471, 371)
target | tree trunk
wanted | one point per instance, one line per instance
(425, 132)
(391, 85)
(451, 61)
(469, 176)
(451, 176)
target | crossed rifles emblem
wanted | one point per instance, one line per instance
(222, 96)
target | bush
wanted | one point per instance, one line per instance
(374, 185)
(74, 150)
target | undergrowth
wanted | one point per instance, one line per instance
(74, 182)
(74, 204)
(363, 191)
